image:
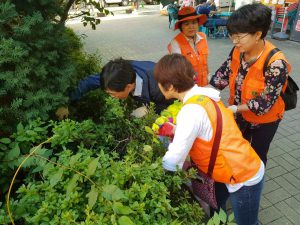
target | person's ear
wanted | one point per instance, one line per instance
(258, 35)
(171, 88)
(130, 87)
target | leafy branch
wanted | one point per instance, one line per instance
(87, 14)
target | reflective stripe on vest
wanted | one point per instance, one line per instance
(199, 59)
(254, 84)
(236, 160)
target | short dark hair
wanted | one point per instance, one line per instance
(250, 19)
(176, 70)
(116, 75)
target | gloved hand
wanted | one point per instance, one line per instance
(167, 130)
(62, 112)
(139, 112)
(233, 108)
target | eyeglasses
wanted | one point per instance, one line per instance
(237, 38)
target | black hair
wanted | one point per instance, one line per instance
(116, 75)
(250, 19)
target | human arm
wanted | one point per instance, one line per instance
(174, 47)
(238, 108)
(189, 126)
(220, 79)
(89, 83)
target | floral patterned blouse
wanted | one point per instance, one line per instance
(275, 77)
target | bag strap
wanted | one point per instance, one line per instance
(217, 140)
(271, 53)
(219, 127)
(290, 80)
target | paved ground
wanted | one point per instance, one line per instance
(145, 37)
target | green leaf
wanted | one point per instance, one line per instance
(232, 223)
(149, 130)
(29, 162)
(14, 152)
(56, 177)
(216, 219)
(175, 223)
(222, 216)
(47, 169)
(92, 196)
(74, 159)
(3, 147)
(35, 149)
(39, 151)
(20, 127)
(37, 169)
(92, 167)
(125, 220)
(119, 208)
(147, 148)
(5, 140)
(112, 192)
(231, 217)
(39, 129)
(210, 222)
(155, 140)
(154, 166)
(72, 184)
(47, 152)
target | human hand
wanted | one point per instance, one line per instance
(233, 108)
(62, 112)
(139, 112)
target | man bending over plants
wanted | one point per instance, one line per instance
(121, 78)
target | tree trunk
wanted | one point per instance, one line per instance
(67, 7)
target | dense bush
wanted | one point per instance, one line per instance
(109, 173)
(39, 61)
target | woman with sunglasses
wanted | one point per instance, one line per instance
(254, 89)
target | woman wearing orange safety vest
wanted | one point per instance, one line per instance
(254, 87)
(238, 168)
(191, 43)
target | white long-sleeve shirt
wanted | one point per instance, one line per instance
(193, 122)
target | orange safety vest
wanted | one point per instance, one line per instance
(254, 85)
(199, 59)
(236, 160)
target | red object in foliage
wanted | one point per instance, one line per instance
(167, 130)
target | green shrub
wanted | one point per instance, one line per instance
(40, 61)
(109, 173)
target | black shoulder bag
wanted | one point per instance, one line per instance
(290, 95)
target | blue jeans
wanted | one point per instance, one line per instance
(245, 204)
